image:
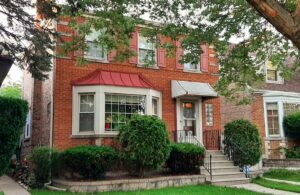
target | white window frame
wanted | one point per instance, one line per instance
(279, 80)
(280, 98)
(197, 70)
(104, 59)
(155, 66)
(27, 129)
(99, 105)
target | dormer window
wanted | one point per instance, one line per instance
(94, 51)
(272, 74)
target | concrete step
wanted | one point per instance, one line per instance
(229, 181)
(213, 152)
(221, 163)
(228, 169)
(220, 176)
(217, 157)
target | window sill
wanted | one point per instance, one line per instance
(148, 67)
(192, 71)
(104, 135)
(275, 138)
(96, 60)
(27, 139)
(274, 82)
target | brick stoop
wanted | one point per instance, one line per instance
(223, 170)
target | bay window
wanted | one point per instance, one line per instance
(86, 112)
(155, 106)
(119, 108)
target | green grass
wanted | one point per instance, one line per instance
(187, 190)
(277, 185)
(284, 174)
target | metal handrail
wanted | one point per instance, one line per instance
(230, 155)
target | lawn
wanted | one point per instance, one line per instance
(284, 174)
(187, 190)
(277, 185)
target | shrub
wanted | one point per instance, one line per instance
(43, 161)
(292, 153)
(12, 120)
(91, 162)
(144, 144)
(185, 157)
(291, 124)
(241, 138)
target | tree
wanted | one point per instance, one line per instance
(265, 29)
(13, 91)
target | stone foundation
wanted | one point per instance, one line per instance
(129, 184)
(281, 163)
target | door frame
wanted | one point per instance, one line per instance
(198, 110)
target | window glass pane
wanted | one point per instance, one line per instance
(86, 112)
(188, 65)
(273, 118)
(94, 51)
(86, 122)
(123, 107)
(289, 108)
(188, 110)
(146, 52)
(154, 107)
(209, 114)
(271, 72)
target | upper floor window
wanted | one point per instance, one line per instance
(146, 51)
(273, 119)
(94, 50)
(272, 74)
(189, 66)
(86, 112)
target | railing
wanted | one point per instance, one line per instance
(188, 137)
(212, 139)
(229, 150)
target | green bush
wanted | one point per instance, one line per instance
(242, 140)
(291, 125)
(292, 153)
(144, 144)
(12, 121)
(185, 158)
(43, 161)
(91, 162)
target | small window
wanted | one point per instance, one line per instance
(147, 51)
(209, 114)
(155, 106)
(94, 50)
(27, 131)
(272, 73)
(273, 119)
(86, 113)
(189, 66)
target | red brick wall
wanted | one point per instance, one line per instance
(66, 71)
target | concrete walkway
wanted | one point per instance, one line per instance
(283, 181)
(10, 187)
(261, 189)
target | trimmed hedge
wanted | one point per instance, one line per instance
(292, 153)
(291, 124)
(185, 158)
(12, 121)
(91, 162)
(243, 140)
(43, 160)
(144, 143)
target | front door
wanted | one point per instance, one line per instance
(188, 117)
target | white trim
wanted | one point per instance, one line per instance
(100, 91)
(280, 98)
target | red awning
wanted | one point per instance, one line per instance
(101, 77)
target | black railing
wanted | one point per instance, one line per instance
(182, 136)
(233, 150)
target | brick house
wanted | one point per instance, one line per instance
(84, 105)
(271, 103)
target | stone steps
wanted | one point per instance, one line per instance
(223, 170)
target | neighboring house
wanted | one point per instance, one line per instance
(80, 105)
(270, 104)
(5, 63)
